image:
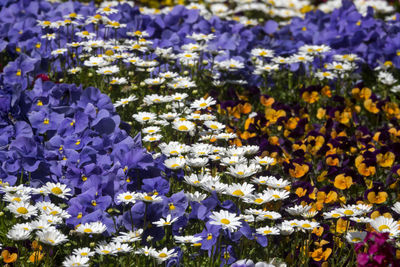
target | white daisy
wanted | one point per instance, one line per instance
(226, 220)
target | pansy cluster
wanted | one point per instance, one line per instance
(265, 139)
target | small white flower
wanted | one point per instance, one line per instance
(22, 209)
(51, 236)
(76, 260)
(92, 228)
(125, 101)
(165, 222)
(226, 220)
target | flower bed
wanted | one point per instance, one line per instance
(242, 134)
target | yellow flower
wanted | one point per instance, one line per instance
(299, 170)
(267, 101)
(371, 106)
(273, 115)
(343, 182)
(321, 113)
(36, 256)
(320, 254)
(377, 198)
(365, 170)
(385, 160)
(342, 226)
(9, 257)
(310, 97)
(332, 161)
(326, 91)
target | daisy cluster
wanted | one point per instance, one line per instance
(199, 135)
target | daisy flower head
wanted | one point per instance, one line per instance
(346, 57)
(125, 101)
(126, 198)
(74, 70)
(174, 148)
(267, 230)
(339, 67)
(297, 210)
(152, 138)
(137, 33)
(396, 207)
(268, 215)
(260, 69)
(175, 163)
(155, 99)
(165, 222)
(183, 126)
(286, 229)
(86, 34)
(105, 249)
(19, 189)
(179, 96)
(17, 234)
(49, 36)
(193, 47)
(230, 65)
(51, 236)
(95, 62)
(76, 260)
(233, 160)
(150, 198)
(201, 37)
(108, 70)
(23, 226)
(214, 125)
(58, 189)
(386, 225)
(200, 149)
(333, 214)
(314, 49)
(321, 75)
(190, 239)
(307, 225)
(59, 51)
(264, 161)
(169, 116)
(309, 214)
(144, 117)
(203, 103)
(22, 209)
(129, 237)
(16, 197)
(118, 80)
(277, 183)
(91, 228)
(361, 219)
(196, 196)
(154, 81)
(355, 237)
(146, 251)
(226, 220)
(258, 199)
(196, 162)
(107, 10)
(163, 254)
(261, 52)
(301, 58)
(225, 136)
(243, 170)
(240, 190)
(277, 194)
(121, 247)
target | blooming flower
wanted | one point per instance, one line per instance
(226, 220)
